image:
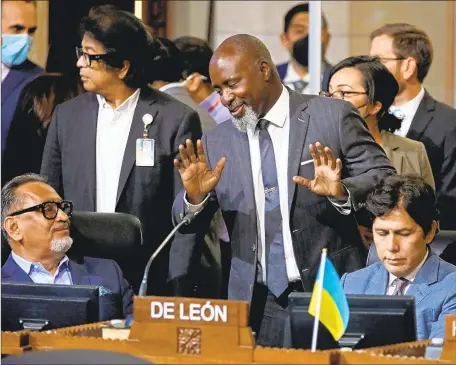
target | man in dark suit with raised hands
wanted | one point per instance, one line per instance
(253, 167)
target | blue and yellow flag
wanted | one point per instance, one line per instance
(334, 312)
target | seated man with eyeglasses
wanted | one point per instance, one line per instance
(36, 223)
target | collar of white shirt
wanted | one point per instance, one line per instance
(292, 76)
(170, 86)
(5, 71)
(131, 101)
(410, 277)
(280, 110)
(26, 265)
(409, 108)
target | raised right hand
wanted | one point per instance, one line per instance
(198, 179)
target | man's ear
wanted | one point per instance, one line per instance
(124, 70)
(11, 226)
(431, 234)
(265, 68)
(409, 68)
(285, 42)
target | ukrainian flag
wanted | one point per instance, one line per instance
(334, 312)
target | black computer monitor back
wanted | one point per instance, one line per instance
(375, 320)
(47, 306)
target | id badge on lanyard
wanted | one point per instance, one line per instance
(145, 147)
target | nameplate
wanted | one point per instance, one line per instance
(190, 310)
(450, 330)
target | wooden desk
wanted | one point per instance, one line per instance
(176, 331)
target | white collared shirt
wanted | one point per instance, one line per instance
(39, 275)
(113, 128)
(292, 76)
(279, 130)
(410, 277)
(5, 71)
(409, 109)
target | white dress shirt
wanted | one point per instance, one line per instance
(409, 109)
(292, 76)
(5, 71)
(279, 130)
(113, 128)
(410, 277)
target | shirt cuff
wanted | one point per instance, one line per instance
(190, 208)
(343, 208)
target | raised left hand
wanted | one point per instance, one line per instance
(328, 174)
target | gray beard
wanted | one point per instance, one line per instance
(61, 245)
(248, 121)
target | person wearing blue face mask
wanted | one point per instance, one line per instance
(19, 24)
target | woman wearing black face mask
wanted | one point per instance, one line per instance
(371, 88)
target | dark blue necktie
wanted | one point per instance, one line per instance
(276, 272)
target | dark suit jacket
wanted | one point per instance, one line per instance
(115, 302)
(314, 221)
(434, 289)
(69, 161)
(17, 78)
(434, 124)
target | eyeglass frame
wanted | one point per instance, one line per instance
(392, 58)
(327, 94)
(40, 207)
(91, 57)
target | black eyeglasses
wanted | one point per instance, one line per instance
(88, 58)
(339, 94)
(383, 59)
(49, 209)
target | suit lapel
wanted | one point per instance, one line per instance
(88, 156)
(13, 79)
(378, 283)
(12, 272)
(79, 274)
(393, 152)
(299, 123)
(241, 141)
(426, 276)
(422, 118)
(144, 106)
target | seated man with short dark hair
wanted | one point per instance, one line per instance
(36, 222)
(404, 223)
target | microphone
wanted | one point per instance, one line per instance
(189, 217)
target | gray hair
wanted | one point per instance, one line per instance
(9, 197)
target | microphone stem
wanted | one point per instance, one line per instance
(143, 287)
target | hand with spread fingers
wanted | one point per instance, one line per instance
(198, 179)
(328, 173)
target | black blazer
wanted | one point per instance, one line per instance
(434, 124)
(69, 161)
(314, 221)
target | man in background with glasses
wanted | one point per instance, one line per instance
(111, 149)
(407, 53)
(36, 224)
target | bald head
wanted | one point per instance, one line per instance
(244, 45)
(242, 71)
